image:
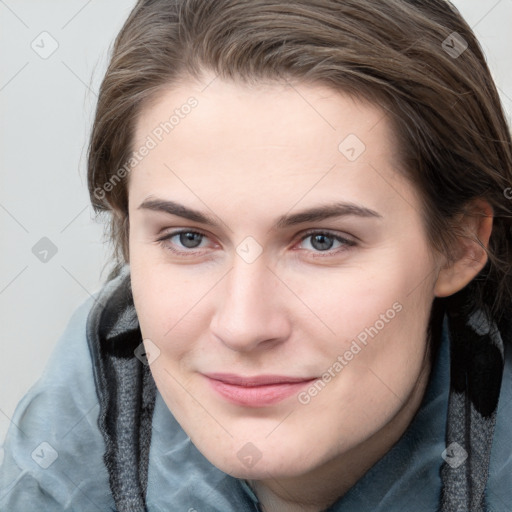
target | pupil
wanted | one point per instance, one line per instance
(322, 245)
(187, 239)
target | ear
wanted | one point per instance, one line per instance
(470, 254)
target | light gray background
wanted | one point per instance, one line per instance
(46, 113)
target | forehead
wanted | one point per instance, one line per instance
(263, 113)
(269, 140)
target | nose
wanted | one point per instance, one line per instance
(251, 313)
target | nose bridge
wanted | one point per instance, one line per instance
(248, 313)
(247, 288)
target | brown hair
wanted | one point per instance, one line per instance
(407, 56)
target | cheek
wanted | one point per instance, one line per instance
(163, 292)
(378, 316)
(167, 305)
(389, 292)
(173, 304)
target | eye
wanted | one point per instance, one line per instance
(323, 242)
(185, 238)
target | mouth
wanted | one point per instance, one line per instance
(256, 391)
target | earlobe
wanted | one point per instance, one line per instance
(471, 252)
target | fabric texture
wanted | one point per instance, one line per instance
(477, 359)
(126, 392)
(120, 449)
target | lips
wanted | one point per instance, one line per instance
(256, 391)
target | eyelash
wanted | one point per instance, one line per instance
(164, 241)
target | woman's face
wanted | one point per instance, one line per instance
(287, 324)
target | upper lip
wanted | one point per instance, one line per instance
(256, 380)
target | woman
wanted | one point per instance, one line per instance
(311, 305)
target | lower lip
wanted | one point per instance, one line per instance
(257, 396)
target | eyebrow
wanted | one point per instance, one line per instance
(314, 214)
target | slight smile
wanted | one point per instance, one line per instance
(256, 391)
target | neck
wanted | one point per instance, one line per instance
(321, 487)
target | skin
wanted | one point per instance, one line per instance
(247, 155)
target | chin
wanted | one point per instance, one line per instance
(262, 470)
(248, 462)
